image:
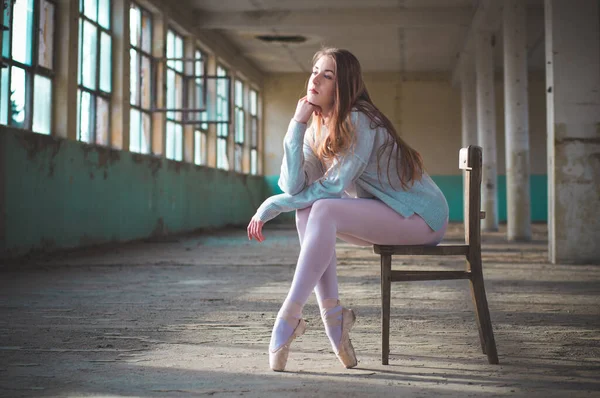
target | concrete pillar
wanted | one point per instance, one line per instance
(469, 113)
(120, 104)
(516, 116)
(573, 111)
(64, 93)
(486, 126)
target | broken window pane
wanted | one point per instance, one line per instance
(4, 96)
(133, 79)
(105, 62)
(46, 35)
(146, 137)
(42, 104)
(17, 97)
(146, 81)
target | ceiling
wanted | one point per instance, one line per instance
(385, 35)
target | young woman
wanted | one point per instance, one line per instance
(348, 175)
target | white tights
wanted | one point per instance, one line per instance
(362, 222)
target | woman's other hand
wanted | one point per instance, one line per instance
(304, 110)
(255, 229)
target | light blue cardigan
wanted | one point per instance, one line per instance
(304, 179)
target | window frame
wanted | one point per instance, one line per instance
(30, 71)
(171, 118)
(240, 132)
(201, 129)
(254, 124)
(141, 54)
(97, 92)
(223, 119)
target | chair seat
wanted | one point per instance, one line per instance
(422, 250)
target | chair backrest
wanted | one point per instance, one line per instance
(470, 160)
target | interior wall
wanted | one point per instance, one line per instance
(425, 109)
(60, 193)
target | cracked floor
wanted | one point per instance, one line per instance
(191, 316)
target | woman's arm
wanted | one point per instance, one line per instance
(338, 177)
(300, 166)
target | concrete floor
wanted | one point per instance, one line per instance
(192, 315)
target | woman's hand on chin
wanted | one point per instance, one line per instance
(304, 110)
(255, 229)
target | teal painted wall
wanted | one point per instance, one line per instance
(57, 193)
(451, 185)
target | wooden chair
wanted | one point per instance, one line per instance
(470, 161)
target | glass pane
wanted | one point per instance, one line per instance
(17, 97)
(134, 25)
(146, 31)
(46, 36)
(104, 13)
(90, 9)
(88, 57)
(105, 62)
(238, 158)
(239, 126)
(178, 142)
(146, 83)
(146, 132)
(170, 48)
(253, 103)
(178, 96)
(134, 130)
(80, 54)
(170, 93)
(133, 79)
(6, 35)
(4, 96)
(253, 162)
(22, 40)
(179, 53)
(85, 133)
(102, 121)
(222, 161)
(239, 93)
(254, 132)
(42, 104)
(197, 144)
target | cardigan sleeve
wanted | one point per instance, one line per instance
(300, 166)
(340, 175)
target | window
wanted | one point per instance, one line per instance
(174, 57)
(253, 132)
(201, 130)
(95, 71)
(140, 59)
(28, 58)
(239, 125)
(222, 116)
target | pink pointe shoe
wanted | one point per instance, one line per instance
(345, 351)
(278, 358)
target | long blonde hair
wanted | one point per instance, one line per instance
(351, 92)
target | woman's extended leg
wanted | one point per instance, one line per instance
(357, 220)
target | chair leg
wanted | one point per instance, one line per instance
(386, 270)
(484, 322)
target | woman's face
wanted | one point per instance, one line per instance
(321, 85)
